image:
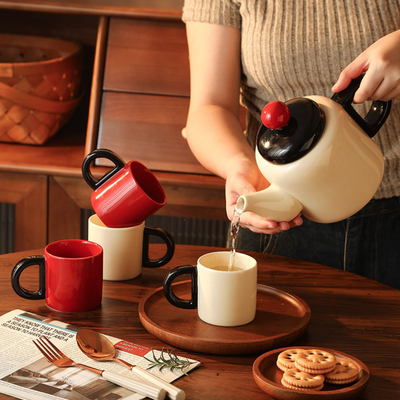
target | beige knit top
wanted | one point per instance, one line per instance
(294, 48)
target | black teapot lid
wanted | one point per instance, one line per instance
(290, 130)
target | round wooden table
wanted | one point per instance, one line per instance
(349, 313)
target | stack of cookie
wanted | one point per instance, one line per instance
(308, 369)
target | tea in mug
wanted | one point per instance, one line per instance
(225, 268)
(223, 299)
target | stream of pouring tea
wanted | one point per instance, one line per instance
(235, 224)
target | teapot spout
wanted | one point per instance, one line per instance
(271, 203)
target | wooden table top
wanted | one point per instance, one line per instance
(349, 314)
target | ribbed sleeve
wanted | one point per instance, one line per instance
(222, 12)
(295, 48)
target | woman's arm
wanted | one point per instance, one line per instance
(213, 130)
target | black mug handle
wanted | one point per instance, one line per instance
(166, 237)
(376, 115)
(16, 273)
(170, 295)
(100, 153)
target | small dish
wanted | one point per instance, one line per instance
(268, 377)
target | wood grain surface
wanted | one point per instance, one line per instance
(168, 9)
(350, 314)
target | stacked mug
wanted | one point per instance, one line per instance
(71, 271)
(122, 200)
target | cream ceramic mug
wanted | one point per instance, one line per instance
(126, 250)
(222, 297)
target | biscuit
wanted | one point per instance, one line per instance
(286, 358)
(299, 380)
(315, 361)
(344, 372)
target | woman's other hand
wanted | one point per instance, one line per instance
(381, 64)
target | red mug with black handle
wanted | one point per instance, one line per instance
(70, 275)
(127, 194)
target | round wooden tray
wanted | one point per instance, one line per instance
(268, 377)
(280, 319)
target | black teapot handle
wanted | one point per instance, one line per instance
(100, 153)
(376, 115)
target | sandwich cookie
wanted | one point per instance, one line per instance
(286, 359)
(299, 380)
(344, 372)
(315, 361)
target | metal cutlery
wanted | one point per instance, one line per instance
(56, 357)
(97, 347)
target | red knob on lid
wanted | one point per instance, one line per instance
(275, 115)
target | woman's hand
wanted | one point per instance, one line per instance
(381, 64)
(247, 178)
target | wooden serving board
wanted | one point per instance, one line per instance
(280, 319)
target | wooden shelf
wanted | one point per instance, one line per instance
(164, 9)
(62, 154)
(45, 183)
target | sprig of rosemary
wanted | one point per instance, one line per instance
(172, 361)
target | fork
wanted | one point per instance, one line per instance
(56, 357)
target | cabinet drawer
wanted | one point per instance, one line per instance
(147, 128)
(147, 56)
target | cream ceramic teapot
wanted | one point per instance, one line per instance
(319, 157)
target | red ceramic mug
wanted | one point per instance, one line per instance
(126, 195)
(70, 275)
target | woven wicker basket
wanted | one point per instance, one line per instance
(40, 82)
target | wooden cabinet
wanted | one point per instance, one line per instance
(29, 195)
(145, 97)
(147, 128)
(147, 56)
(136, 103)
